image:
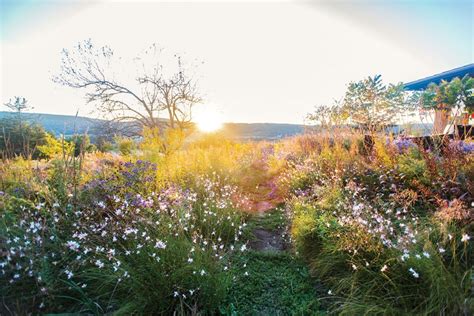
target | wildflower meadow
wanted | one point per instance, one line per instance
(386, 232)
(236, 158)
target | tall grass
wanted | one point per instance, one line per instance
(159, 229)
(387, 232)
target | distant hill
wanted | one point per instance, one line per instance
(69, 125)
(267, 131)
(58, 124)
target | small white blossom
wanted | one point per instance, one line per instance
(465, 237)
(99, 263)
(160, 245)
(73, 245)
(414, 273)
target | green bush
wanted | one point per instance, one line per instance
(125, 145)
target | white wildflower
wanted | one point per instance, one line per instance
(465, 237)
(73, 245)
(160, 245)
(414, 273)
(99, 263)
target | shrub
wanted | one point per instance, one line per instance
(125, 145)
(54, 148)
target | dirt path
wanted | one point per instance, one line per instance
(269, 279)
(268, 232)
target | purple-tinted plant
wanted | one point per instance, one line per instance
(461, 146)
(404, 144)
(141, 172)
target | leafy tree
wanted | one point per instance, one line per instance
(153, 90)
(328, 116)
(16, 139)
(456, 95)
(373, 105)
(16, 134)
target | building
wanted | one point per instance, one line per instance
(441, 117)
(460, 72)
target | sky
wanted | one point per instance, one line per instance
(266, 61)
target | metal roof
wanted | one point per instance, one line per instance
(460, 72)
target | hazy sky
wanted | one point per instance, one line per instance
(267, 61)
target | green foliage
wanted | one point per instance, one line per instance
(157, 142)
(175, 238)
(20, 138)
(271, 284)
(413, 166)
(377, 236)
(81, 144)
(104, 145)
(372, 104)
(327, 116)
(450, 95)
(54, 148)
(386, 232)
(125, 145)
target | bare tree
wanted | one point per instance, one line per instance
(151, 91)
(18, 105)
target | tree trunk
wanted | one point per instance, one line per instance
(441, 121)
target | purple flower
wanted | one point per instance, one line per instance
(404, 144)
(462, 146)
(467, 147)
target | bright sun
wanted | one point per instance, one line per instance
(209, 122)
